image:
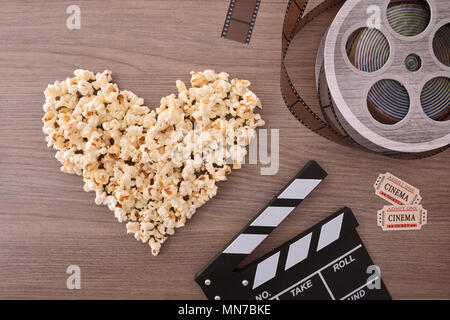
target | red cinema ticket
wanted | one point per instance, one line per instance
(402, 217)
(396, 191)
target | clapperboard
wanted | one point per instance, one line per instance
(327, 261)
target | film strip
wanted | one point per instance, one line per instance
(327, 261)
(330, 125)
(240, 20)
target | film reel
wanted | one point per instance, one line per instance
(385, 87)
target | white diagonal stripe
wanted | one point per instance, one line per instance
(266, 270)
(298, 251)
(272, 216)
(299, 189)
(330, 232)
(245, 243)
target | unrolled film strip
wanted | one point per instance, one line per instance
(240, 20)
(328, 261)
(331, 127)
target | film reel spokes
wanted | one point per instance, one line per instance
(385, 113)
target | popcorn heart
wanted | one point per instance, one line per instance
(153, 168)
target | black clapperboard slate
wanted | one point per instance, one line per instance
(327, 261)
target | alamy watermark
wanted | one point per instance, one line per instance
(374, 19)
(233, 147)
(74, 20)
(74, 280)
(374, 280)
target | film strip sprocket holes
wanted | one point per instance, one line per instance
(240, 20)
(294, 21)
(328, 261)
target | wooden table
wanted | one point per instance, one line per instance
(48, 222)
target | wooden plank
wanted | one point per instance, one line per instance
(48, 222)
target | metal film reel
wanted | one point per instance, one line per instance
(388, 88)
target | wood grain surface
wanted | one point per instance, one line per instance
(48, 222)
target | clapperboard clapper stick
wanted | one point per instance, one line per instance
(327, 261)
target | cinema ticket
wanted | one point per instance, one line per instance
(402, 217)
(396, 191)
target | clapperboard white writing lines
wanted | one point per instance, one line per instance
(318, 272)
(298, 251)
(326, 286)
(358, 289)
